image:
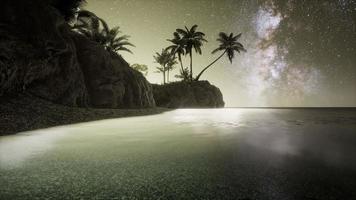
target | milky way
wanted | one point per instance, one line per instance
(300, 53)
(270, 76)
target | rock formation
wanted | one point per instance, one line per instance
(42, 56)
(200, 94)
(109, 80)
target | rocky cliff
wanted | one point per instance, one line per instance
(109, 79)
(199, 94)
(40, 55)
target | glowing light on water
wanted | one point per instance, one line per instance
(196, 115)
(14, 150)
(218, 118)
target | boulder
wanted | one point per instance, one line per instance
(198, 94)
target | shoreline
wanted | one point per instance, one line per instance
(26, 113)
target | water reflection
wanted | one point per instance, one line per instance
(280, 133)
(270, 133)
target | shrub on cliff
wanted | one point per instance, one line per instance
(97, 30)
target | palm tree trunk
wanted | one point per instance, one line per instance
(207, 67)
(164, 74)
(168, 76)
(191, 65)
(180, 61)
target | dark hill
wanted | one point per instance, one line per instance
(40, 55)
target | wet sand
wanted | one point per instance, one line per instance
(24, 113)
(187, 154)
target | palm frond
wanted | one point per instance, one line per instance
(230, 54)
(125, 44)
(121, 38)
(194, 28)
(199, 34)
(237, 37)
(176, 36)
(218, 49)
(104, 24)
(186, 28)
(123, 49)
(182, 32)
(223, 36)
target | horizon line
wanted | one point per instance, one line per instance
(294, 107)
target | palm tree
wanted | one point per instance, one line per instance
(163, 59)
(96, 29)
(193, 39)
(115, 43)
(178, 48)
(163, 71)
(229, 45)
(183, 74)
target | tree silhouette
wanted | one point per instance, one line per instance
(184, 74)
(116, 43)
(96, 29)
(177, 48)
(141, 68)
(193, 39)
(229, 45)
(163, 59)
(162, 70)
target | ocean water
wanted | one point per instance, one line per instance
(187, 154)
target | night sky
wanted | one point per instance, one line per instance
(299, 52)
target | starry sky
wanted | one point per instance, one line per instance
(299, 52)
